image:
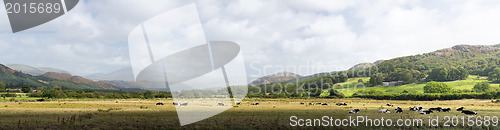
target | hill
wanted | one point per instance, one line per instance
(275, 78)
(16, 79)
(34, 70)
(123, 74)
(77, 79)
(451, 66)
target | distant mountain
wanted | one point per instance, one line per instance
(362, 66)
(123, 74)
(14, 79)
(34, 70)
(274, 78)
(77, 79)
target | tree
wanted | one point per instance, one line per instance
(148, 94)
(335, 93)
(436, 87)
(2, 86)
(376, 80)
(50, 93)
(494, 75)
(481, 87)
(26, 89)
(360, 80)
(438, 74)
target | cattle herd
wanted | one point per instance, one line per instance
(185, 104)
(423, 111)
(354, 111)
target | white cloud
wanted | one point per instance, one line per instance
(320, 35)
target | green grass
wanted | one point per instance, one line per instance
(469, 83)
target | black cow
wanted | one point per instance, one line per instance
(184, 104)
(324, 104)
(398, 110)
(446, 110)
(220, 104)
(255, 103)
(354, 111)
(176, 104)
(460, 109)
(469, 112)
(439, 109)
(239, 103)
(341, 104)
(160, 103)
(426, 112)
(390, 105)
(301, 103)
(318, 103)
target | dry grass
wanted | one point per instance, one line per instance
(271, 113)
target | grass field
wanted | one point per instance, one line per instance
(271, 113)
(346, 87)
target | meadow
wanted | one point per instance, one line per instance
(270, 114)
(347, 87)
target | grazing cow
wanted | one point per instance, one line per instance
(460, 109)
(311, 103)
(255, 103)
(324, 104)
(301, 103)
(466, 112)
(415, 108)
(184, 104)
(439, 109)
(398, 110)
(390, 105)
(341, 104)
(446, 110)
(424, 112)
(220, 104)
(176, 104)
(318, 103)
(239, 103)
(384, 111)
(354, 111)
(160, 103)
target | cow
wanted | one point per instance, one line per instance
(384, 111)
(324, 104)
(466, 112)
(341, 104)
(354, 111)
(424, 112)
(415, 108)
(160, 103)
(220, 104)
(311, 103)
(439, 109)
(301, 103)
(390, 105)
(318, 103)
(398, 110)
(176, 104)
(239, 103)
(460, 109)
(446, 110)
(255, 103)
(184, 104)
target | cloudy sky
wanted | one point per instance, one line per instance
(304, 37)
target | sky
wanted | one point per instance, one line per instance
(303, 37)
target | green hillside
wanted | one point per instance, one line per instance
(16, 79)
